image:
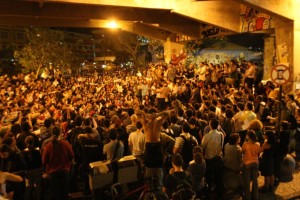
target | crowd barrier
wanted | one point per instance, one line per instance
(104, 174)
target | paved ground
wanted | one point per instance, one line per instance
(290, 190)
(284, 191)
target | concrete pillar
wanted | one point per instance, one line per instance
(170, 48)
(284, 31)
(269, 55)
(297, 50)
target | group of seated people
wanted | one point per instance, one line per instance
(178, 129)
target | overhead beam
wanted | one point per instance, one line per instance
(177, 24)
(80, 11)
(217, 13)
(150, 31)
(46, 22)
(157, 4)
(139, 28)
(280, 8)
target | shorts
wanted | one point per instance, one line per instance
(153, 155)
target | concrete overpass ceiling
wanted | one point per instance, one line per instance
(150, 31)
(278, 8)
(80, 11)
(171, 16)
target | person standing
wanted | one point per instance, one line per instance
(267, 162)
(197, 168)
(250, 150)
(57, 159)
(250, 74)
(113, 150)
(136, 142)
(212, 143)
(232, 163)
(33, 160)
(152, 123)
(184, 145)
(201, 72)
(176, 176)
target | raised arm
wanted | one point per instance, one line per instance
(162, 116)
(141, 116)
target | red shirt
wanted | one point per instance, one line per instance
(58, 157)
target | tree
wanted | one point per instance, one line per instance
(125, 45)
(128, 42)
(7, 64)
(156, 48)
(44, 46)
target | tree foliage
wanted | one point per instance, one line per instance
(126, 45)
(7, 64)
(44, 46)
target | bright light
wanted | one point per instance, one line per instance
(112, 24)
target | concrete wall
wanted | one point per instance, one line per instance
(269, 55)
(297, 48)
(169, 48)
(284, 31)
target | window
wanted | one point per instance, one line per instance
(4, 35)
(20, 36)
(5, 46)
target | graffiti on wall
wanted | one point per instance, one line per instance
(183, 38)
(212, 31)
(255, 20)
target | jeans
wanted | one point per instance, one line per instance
(250, 173)
(155, 173)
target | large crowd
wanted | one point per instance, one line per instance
(205, 124)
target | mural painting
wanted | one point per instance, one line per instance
(255, 20)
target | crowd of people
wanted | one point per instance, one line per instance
(205, 124)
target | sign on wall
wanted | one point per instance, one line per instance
(283, 52)
(212, 31)
(280, 74)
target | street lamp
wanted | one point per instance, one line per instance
(112, 24)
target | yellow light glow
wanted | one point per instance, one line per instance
(112, 24)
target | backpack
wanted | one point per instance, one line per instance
(292, 121)
(184, 190)
(169, 132)
(187, 149)
(297, 134)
